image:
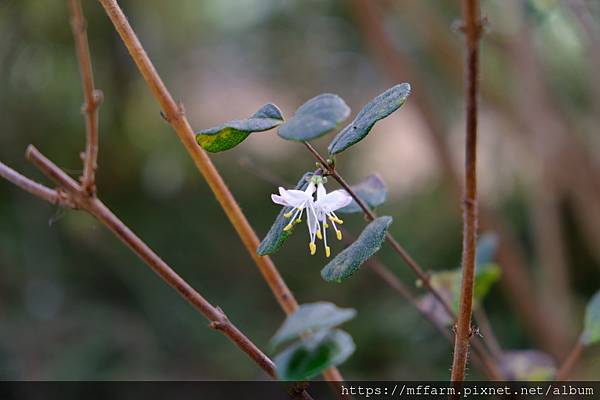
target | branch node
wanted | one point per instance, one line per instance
(220, 323)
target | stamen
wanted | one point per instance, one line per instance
(325, 225)
(313, 248)
(288, 214)
(319, 235)
(327, 249)
(338, 234)
(336, 220)
(288, 227)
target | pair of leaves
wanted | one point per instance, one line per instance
(276, 235)
(349, 260)
(322, 114)
(232, 133)
(324, 348)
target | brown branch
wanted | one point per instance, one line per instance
(28, 185)
(412, 264)
(516, 280)
(330, 170)
(472, 28)
(92, 96)
(74, 196)
(480, 359)
(176, 117)
(570, 362)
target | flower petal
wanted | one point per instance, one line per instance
(279, 200)
(334, 200)
(295, 198)
(311, 221)
(321, 192)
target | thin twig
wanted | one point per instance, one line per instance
(516, 280)
(92, 96)
(28, 185)
(572, 359)
(74, 196)
(414, 266)
(472, 28)
(175, 115)
(480, 359)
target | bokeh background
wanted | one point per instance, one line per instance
(76, 304)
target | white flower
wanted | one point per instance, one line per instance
(298, 200)
(324, 207)
(318, 212)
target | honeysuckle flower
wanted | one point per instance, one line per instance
(325, 207)
(318, 212)
(298, 200)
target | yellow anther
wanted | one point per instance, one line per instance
(339, 235)
(297, 221)
(319, 236)
(336, 220)
(313, 248)
(288, 214)
(327, 251)
(288, 227)
(325, 225)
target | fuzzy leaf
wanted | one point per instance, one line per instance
(378, 108)
(232, 133)
(316, 117)
(312, 317)
(591, 329)
(527, 365)
(372, 191)
(351, 258)
(276, 235)
(313, 355)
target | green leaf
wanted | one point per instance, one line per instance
(591, 329)
(372, 191)
(527, 365)
(350, 259)
(485, 277)
(232, 133)
(313, 355)
(276, 235)
(378, 108)
(448, 283)
(311, 317)
(316, 117)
